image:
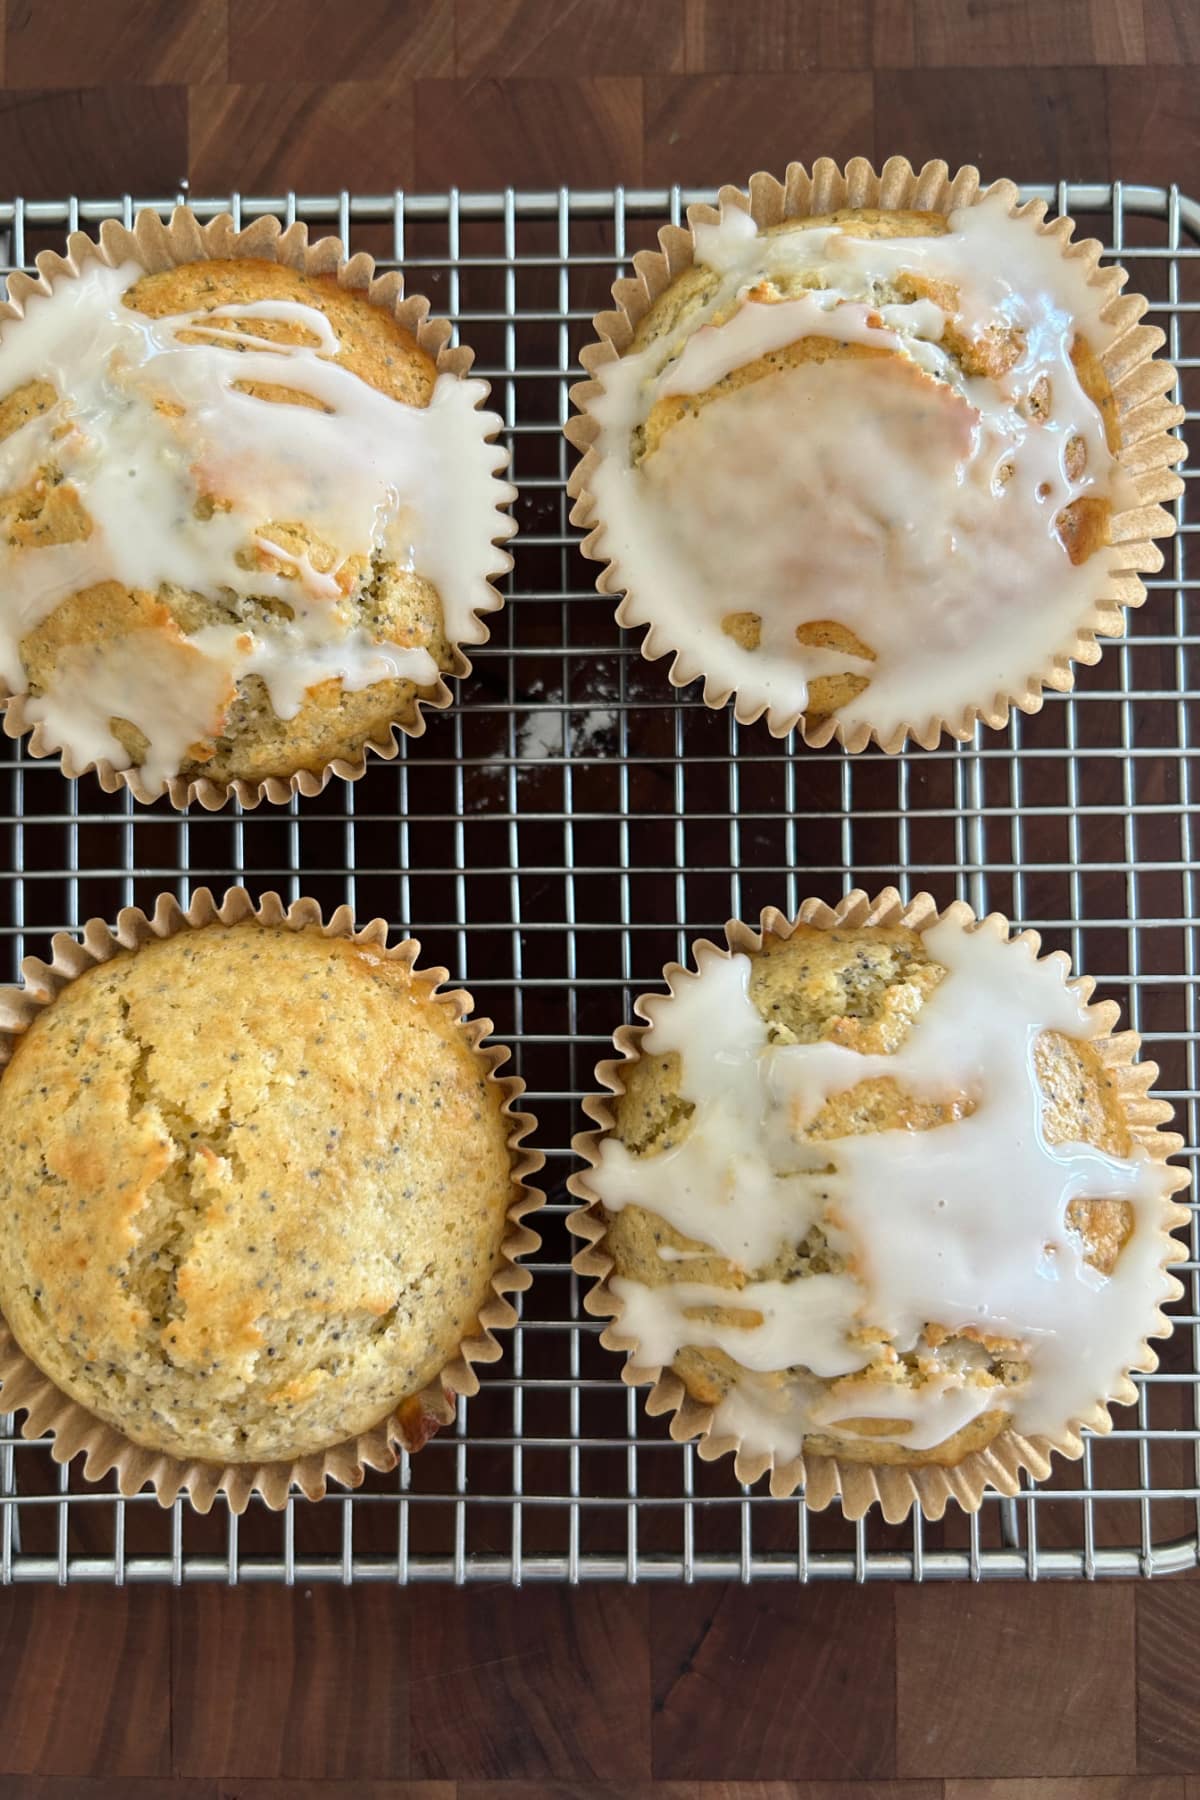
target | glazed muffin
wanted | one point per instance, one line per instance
(256, 1192)
(247, 514)
(862, 467)
(881, 1195)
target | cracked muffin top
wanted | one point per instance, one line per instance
(253, 1187)
(244, 520)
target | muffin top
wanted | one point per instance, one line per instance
(243, 518)
(863, 464)
(253, 1188)
(874, 1193)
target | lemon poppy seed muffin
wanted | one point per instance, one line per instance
(876, 1194)
(253, 1190)
(860, 467)
(246, 519)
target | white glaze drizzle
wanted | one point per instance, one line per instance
(853, 491)
(962, 1227)
(366, 473)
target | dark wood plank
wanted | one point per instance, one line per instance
(122, 41)
(1028, 33)
(706, 129)
(1033, 124)
(1168, 1644)
(893, 34)
(1015, 1681)
(532, 133)
(100, 1787)
(262, 137)
(498, 38)
(278, 1682)
(768, 36)
(93, 141)
(577, 1790)
(1172, 31)
(1154, 125)
(819, 1790)
(540, 1684)
(86, 1682)
(771, 1683)
(377, 40)
(1067, 1787)
(234, 1788)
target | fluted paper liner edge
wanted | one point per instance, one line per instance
(858, 1485)
(1138, 379)
(156, 246)
(76, 1430)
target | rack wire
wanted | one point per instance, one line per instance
(569, 826)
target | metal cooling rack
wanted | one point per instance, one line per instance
(566, 829)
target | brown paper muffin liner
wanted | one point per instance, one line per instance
(156, 246)
(857, 1485)
(1138, 381)
(75, 1430)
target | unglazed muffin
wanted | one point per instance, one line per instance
(256, 1186)
(862, 466)
(881, 1195)
(247, 512)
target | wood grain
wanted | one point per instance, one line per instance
(1154, 125)
(122, 41)
(819, 1790)
(578, 1790)
(568, 38)
(484, 133)
(766, 36)
(1172, 31)
(1067, 1787)
(103, 140)
(1035, 124)
(86, 1686)
(1028, 33)
(239, 1789)
(271, 1682)
(376, 40)
(100, 1787)
(815, 1672)
(534, 1685)
(1168, 1645)
(265, 138)
(993, 1658)
(764, 122)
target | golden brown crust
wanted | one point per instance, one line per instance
(254, 1187)
(373, 345)
(861, 987)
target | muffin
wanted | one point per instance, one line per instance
(248, 509)
(879, 1202)
(877, 455)
(261, 1193)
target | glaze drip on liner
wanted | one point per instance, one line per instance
(147, 421)
(886, 491)
(962, 1227)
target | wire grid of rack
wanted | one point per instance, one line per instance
(569, 826)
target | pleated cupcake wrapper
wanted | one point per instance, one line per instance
(860, 1485)
(1139, 384)
(77, 1431)
(156, 246)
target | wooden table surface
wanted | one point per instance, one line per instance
(999, 1693)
